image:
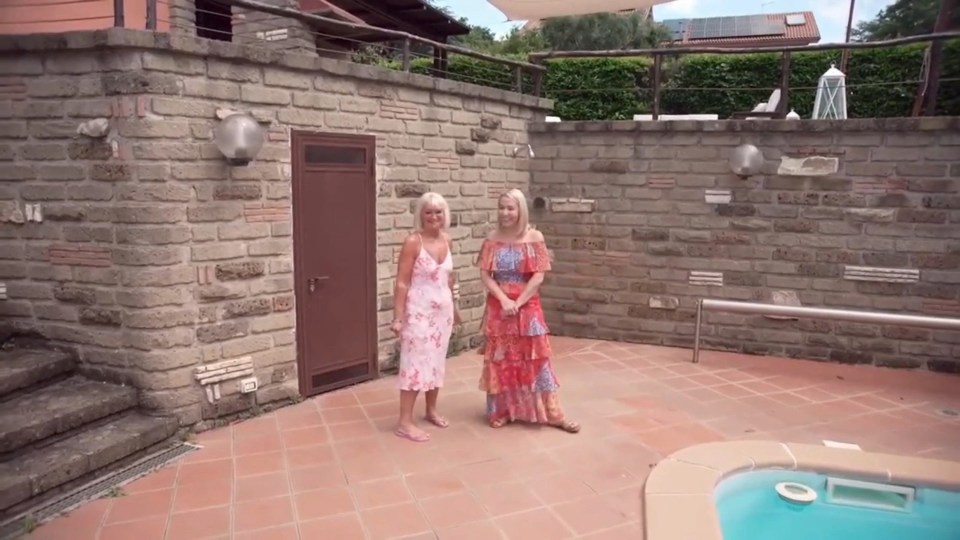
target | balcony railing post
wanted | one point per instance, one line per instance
(945, 15)
(538, 82)
(657, 84)
(118, 20)
(783, 108)
(518, 79)
(151, 14)
(406, 55)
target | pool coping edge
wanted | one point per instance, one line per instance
(682, 485)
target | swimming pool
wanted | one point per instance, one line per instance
(749, 508)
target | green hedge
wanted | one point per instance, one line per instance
(881, 82)
(613, 89)
(616, 89)
(470, 70)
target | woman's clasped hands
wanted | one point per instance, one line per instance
(509, 307)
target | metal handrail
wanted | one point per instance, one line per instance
(922, 321)
(305, 17)
(540, 56)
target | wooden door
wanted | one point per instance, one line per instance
(334, 239)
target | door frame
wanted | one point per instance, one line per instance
(298, 168)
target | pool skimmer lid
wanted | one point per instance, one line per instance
(796, 493)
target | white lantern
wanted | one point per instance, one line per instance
(831, 101)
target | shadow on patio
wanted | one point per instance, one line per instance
(331, 468)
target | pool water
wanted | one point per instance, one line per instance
(750, 509)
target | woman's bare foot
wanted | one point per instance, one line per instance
(437, 420)
(567, 425)
(411, 432)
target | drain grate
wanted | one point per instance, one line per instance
(16, 528)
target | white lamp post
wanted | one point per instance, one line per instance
(831, 100)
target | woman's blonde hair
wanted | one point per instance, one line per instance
(523, 213)
(430, 198)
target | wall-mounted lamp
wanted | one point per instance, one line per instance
(97, 128)
(746, 160)
(530, 153)
(239, 138)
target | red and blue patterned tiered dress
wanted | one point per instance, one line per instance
(517, 373)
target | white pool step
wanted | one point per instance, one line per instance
(843, 445)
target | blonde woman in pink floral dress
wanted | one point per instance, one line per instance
(424, 313)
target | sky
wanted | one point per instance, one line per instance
(831, 14)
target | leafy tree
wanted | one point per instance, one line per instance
(902, 18)
(599, 31)
(520, 42)
(602, 31)
(480, 38)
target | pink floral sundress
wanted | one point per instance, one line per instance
(427, 324)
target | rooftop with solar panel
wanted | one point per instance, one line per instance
(769, 29)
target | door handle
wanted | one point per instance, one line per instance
(312, 282)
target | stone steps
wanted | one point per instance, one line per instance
(59, 429)
(22, 369)
(60, 407)
(80, 456)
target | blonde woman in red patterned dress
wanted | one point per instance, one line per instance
(517, 375)
(424, 313)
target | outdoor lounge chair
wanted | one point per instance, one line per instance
(770, 109)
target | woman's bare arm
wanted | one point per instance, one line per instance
(453, 284)
(531, 289)
(490, 284)
(486, 277)
(408, 255)
(453, 274)
(537, 279)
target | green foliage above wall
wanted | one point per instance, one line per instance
(881, 82)
(607, 88)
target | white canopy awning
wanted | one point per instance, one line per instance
(534, 10)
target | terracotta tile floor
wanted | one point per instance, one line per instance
(330, 467)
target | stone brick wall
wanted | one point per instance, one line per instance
(265, 30)
(260, 29)
(153, 257)
(646, 218)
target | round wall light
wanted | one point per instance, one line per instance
(746, 160)
(239, 138)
